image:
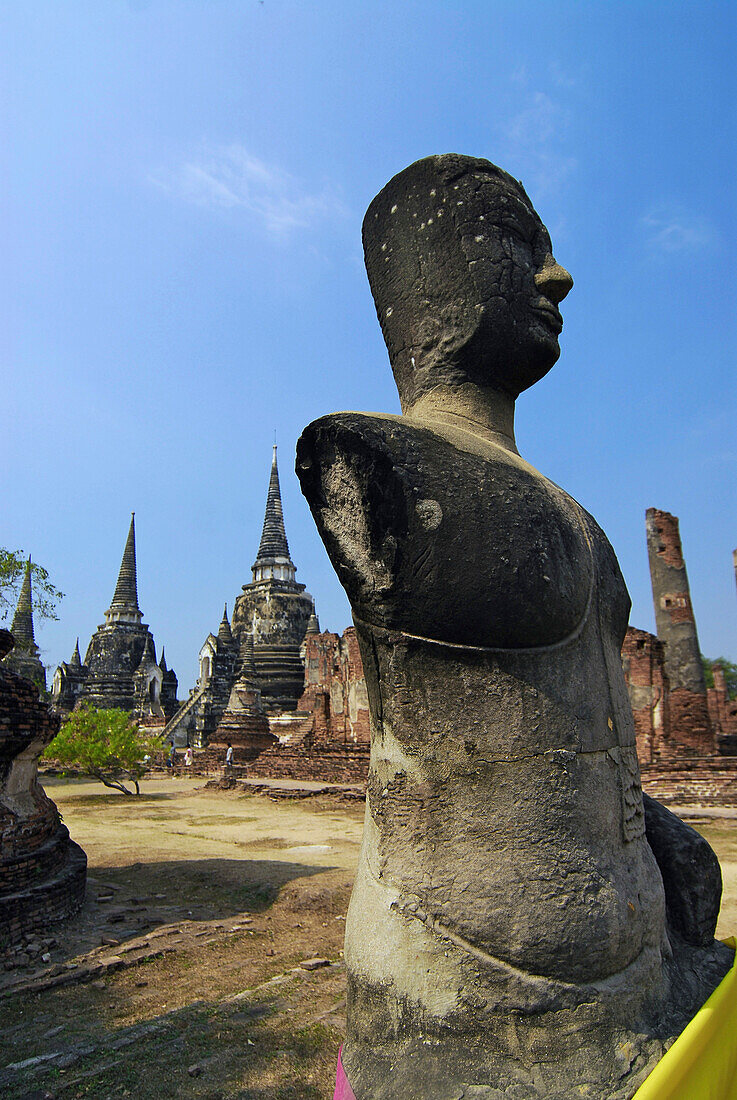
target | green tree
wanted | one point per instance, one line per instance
(730, 673)
(45, 595)
(106, 744)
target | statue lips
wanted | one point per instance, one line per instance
(552, 315)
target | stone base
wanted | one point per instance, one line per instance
(506, 1034)
(35, 908)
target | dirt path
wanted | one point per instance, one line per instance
(181, 976)
(201, 906)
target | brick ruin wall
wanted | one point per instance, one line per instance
(723, 713)
(692, 782)
(42, 872)
(343, 764)
(328, 738)
(647, 683)
(676, 627)
(335, 689)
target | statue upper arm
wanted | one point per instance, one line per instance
(443, 543)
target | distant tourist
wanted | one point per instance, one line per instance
(172, 759)
(229, 758)
(188, 757)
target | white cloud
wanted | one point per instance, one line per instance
(561, 77)
(533, 146)
(669, 229)
(232, 178)
(536, 123)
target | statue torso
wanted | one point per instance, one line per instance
(449, 537)
(490, 611)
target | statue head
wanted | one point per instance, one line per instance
(463, 278)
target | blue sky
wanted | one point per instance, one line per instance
(184, 184)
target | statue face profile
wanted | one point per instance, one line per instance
(463, 277)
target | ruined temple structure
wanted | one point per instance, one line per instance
(328, 737)
(335, 689)
(676, 717)
(244, 724)
(120, 668)
(647, 683)
(24, 659)
(687, 734)
(723, 713)
(676, 628)
(275, 610)
(42, 871)
(270, 620)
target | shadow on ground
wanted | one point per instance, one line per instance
(277, 1043)
(127, 901)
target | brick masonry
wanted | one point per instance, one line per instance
(42, 872)
(335, 689)
(705, 782)
(676, 627)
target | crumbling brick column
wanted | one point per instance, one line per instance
(647, 684)
(335, 689)
(676, 627)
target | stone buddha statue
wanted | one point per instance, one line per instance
(511, 932)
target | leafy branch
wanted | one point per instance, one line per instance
(46, 596)
(104, 744)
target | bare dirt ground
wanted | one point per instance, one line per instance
(200, 907)
(181, 976)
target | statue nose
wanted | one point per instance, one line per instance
(553, 280)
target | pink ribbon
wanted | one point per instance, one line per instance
(343, 1090)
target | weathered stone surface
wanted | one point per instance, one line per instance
(42, 872)
(507, 932)
(314, 964)
(692, 878)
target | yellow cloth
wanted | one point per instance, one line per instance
(702, 1063)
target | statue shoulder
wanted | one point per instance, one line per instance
(353, 480)
(473, 547)
(349, 432)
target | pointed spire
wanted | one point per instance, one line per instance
(126, 590)
(24, 658)
(225, 634)
(248, 658)
(124, 607)
(149, 651)
(22, 626)
(162, 661)
(273, 537)
(76, 661)
(273, 560)
(313, 624)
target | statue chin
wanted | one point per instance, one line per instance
(508, 932)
